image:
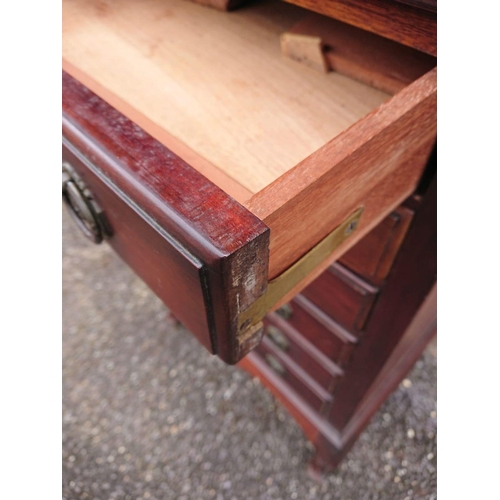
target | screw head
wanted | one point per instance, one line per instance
(351, 227)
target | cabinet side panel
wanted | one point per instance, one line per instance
(409, 282)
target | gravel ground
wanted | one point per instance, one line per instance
(148, 414)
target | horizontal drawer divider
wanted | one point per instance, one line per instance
(299, 372)
(353, 279)
(330, 324)
(306, 346)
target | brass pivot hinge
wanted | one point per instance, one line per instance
(284, 283)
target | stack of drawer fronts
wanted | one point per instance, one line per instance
(311, 343)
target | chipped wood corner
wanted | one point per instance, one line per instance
(306, 49)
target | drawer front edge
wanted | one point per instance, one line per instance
(183, 225)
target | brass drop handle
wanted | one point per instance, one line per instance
(82, 207)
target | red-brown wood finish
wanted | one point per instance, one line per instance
(296, 377)
(343, 296)
(409, 282)
(329, 453)
(194, 245)
(402, 321)
(398, 21)
(305, 354)
(373, 256)
(330, 338)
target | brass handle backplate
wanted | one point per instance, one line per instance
(81, 205)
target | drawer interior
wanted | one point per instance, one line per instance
(214, 81)
(300, 149)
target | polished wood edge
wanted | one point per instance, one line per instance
(329, 365)
(398, 21)
(330, 324)
(332, 445)
(411, 346)
(311, 422)
(352, 279)
(293, 367)
(230, 241)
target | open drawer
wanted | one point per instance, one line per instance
(227, 176)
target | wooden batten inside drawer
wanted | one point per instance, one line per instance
(300, 149)
(214, 81)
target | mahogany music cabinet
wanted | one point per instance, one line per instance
(269, 172)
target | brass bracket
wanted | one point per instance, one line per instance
(285, 282)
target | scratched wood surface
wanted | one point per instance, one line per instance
(215, 81)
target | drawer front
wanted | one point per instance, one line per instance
(343, 296)
(373, 256)
(192, 244)
(330, 338)
(298, 379)
(158, 259)
(295, 346)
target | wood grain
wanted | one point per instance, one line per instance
(374, 255)
(305, 354)
(211, 236)
(409, 349)
(214, 81)
(359, 54)
(397, 21)
(377, 163)
(296, 377)
(321, 330)
(410, 281)
(343, 296)
(202, 165)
